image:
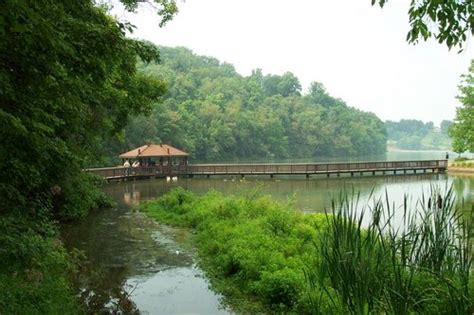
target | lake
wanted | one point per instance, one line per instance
(135, 262)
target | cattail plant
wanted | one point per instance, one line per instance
(419, 263)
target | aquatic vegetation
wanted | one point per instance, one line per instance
(249, 246)
(419, 261)
(267, 256)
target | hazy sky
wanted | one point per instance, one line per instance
(357, 51)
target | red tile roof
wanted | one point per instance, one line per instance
(153, 150)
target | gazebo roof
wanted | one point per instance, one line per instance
(153, 150)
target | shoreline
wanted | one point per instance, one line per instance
(460, 170)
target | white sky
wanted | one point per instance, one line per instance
(357, 51)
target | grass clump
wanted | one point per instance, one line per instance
(403, 262)
(265, 256)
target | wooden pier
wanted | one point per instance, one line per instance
(305, 169)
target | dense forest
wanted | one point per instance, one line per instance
(412, 134)
(214, 113)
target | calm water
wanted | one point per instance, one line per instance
(138, 263)
(397, 155)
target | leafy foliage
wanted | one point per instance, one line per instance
(166, 9)
(250, 246)
(68, 82)
(266, 256)
(449, 21)
(35, 270)
(462, 131)
(216, 114)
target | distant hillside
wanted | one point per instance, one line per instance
(411, 134)
(215, 113)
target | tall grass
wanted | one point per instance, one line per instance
(418, 263)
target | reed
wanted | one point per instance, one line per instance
(418, 260)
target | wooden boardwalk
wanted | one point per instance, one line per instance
(306, 169)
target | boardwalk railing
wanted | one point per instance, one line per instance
(316, 168)
(269, 169)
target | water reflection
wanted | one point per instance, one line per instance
(127, 253)
(311, 195)
(396, 155)
(131, 262)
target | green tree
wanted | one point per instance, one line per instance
(319, 95)
(462, 130)
(214, 113)
(448, 21)
(445, 125)
(285, 85)
(69, 79)
(68, 84)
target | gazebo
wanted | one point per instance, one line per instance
(156, 154)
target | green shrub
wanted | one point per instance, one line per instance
(34, 270)
(79, 195)
(248, 245)
(281, 289)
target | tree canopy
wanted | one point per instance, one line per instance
(448, 21)
(68, 84)
(462, 131)
(68, 80)
(214, 113)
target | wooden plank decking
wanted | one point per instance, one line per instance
(385, 167)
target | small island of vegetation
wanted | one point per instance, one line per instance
(264, 255)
